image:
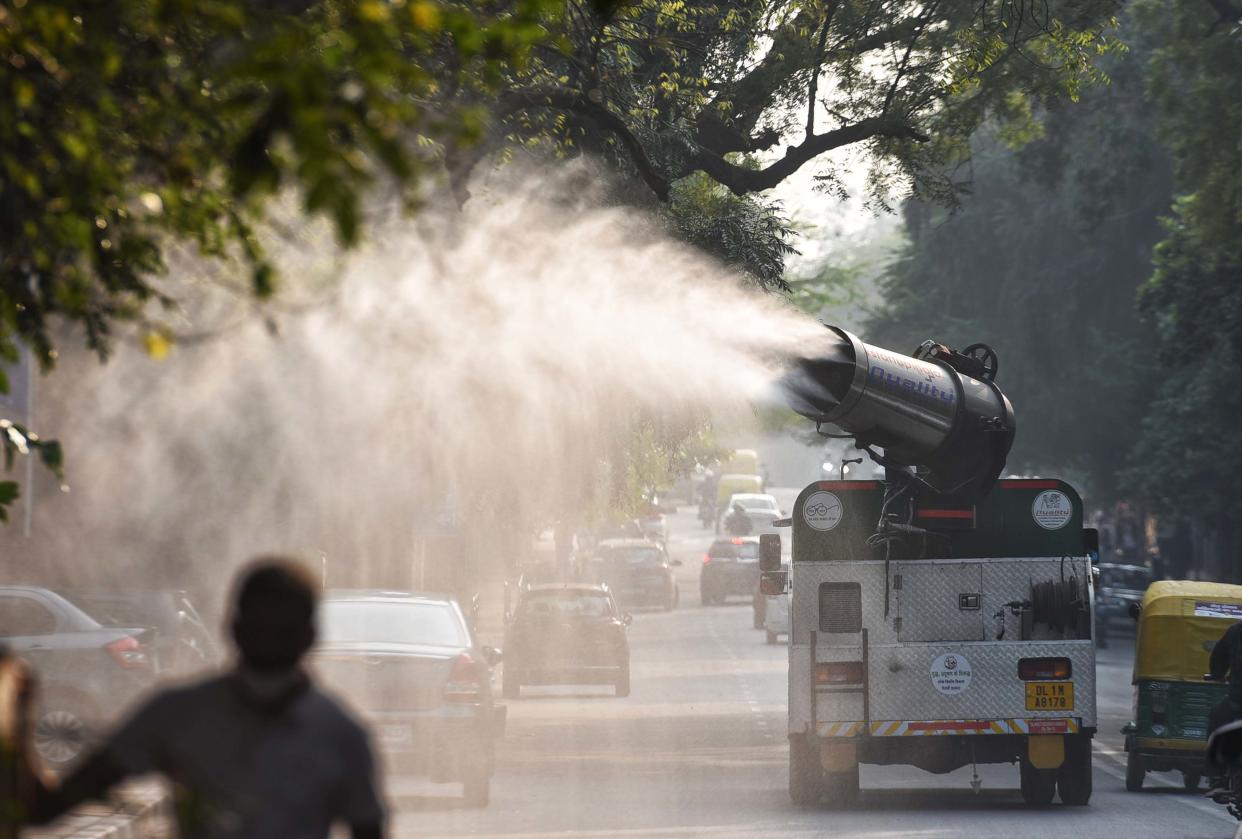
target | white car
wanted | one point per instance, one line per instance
(755, 502)
(761, 509)
(776, 617)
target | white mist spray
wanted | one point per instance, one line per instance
(498, 354)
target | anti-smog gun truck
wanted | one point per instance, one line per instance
(941, 617)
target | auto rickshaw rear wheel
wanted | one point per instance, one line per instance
(1074, 776)
(1135, 772)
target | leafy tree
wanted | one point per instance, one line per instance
(679, 88)
(125, 123)
(1189, 457)
(1043, 261)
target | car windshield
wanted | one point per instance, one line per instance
(569, 604)
(363, 622)
(633, 556)
(735, 550)
(1134, 579)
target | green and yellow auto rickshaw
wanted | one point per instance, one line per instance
(1178, 624)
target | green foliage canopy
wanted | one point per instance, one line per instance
(1043, 261)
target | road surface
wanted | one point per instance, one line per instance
(699, 749)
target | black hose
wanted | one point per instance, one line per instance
(1056, 603)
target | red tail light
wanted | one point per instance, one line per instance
(465, 681)
(129, 653)
(707, 558)
(1044, 668)
(839, 673)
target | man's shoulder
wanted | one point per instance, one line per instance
(205, 688)
(329, 710)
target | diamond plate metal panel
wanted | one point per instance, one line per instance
(900, 673)
(927, 600)
(1005, 580)
(902, 688)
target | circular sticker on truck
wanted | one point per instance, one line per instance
(1052, 509)
(822, 510)
(950, 673)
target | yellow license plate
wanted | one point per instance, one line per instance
(1049, 696)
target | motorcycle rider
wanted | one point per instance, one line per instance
(1226, 659)
(737, 523)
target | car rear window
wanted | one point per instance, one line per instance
(365, 622)
(568, 604)
(734, 550)
(1125, 578)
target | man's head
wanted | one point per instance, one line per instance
(738, 508)
(273, 620)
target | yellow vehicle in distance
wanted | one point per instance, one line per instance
(741, 462)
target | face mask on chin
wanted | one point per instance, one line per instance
(270, 688)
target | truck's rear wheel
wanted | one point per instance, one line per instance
(841, 788)
(1038, 785)
(1074, 776)
(805, 774)
(1135, 772)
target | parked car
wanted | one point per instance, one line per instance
(638, 572)
(567, 634)
(88, 673)
(730, 569)
(411, 667)
(180, 641)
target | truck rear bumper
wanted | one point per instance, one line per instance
(926, 728)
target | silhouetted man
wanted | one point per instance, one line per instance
(255, 753)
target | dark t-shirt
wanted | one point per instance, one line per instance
(1227, 656)
(244, 771)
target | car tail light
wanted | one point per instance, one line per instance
(839, 673)
(737, 540)
(465, 681)
(1044, 668)
(129, 653)
(707, 558)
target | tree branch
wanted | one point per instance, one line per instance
(741, 180)
(751, 95)
(819, 59)
(513, 101)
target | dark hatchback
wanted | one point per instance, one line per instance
(567, 634)
(410, 666)
(638, 572)
(730, 569)
(88, 673)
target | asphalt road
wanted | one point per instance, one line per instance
(699, 749)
